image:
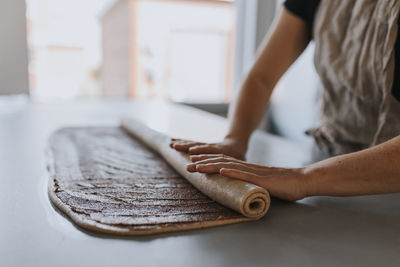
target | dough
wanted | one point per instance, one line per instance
(248, 199)
(107, 181)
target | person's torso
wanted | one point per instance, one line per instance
(354, 57)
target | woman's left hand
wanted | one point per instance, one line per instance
(284, 183)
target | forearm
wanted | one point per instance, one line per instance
(248, 109)
(282, 46)
(372, 171)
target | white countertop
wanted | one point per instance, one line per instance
(318, 231)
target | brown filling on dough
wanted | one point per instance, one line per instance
(110, 178)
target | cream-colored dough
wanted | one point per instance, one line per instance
(248, 199)
(106, 181)
(92, 225)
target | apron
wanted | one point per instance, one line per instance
(354, 57)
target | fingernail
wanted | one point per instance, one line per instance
(199, 166)
(191, 167)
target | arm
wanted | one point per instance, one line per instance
(284, 43)
(375, 170)
(371, 171)
(281, 47)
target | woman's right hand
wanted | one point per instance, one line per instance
(228, 146)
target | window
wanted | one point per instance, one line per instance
(180, 50)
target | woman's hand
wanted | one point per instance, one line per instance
(283, 183)
(229, 147)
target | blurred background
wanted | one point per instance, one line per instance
(195, 52)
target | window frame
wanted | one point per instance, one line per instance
(14, 77)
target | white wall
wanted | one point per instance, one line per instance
(294, 104)
(13, 48)
(266, 11)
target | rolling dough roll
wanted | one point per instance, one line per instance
(248, 199)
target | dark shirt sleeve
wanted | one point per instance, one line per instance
(396, 79)
(304, 9)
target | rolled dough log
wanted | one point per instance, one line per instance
(248, 199)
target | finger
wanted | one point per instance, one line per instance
(176, 139)
(172, 144)
(215, 160)
(195, 158)
(179, 146)
(219, 158)
(200, 157)
(216, 167)
(191, 167)
(204, 149)
(241, 175)
(258, 168)
(173, 141)
(184, 145)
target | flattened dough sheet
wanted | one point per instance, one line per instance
(106, 181)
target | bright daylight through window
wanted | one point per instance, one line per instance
(180, 50)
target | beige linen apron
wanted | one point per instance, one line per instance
(354, 57)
